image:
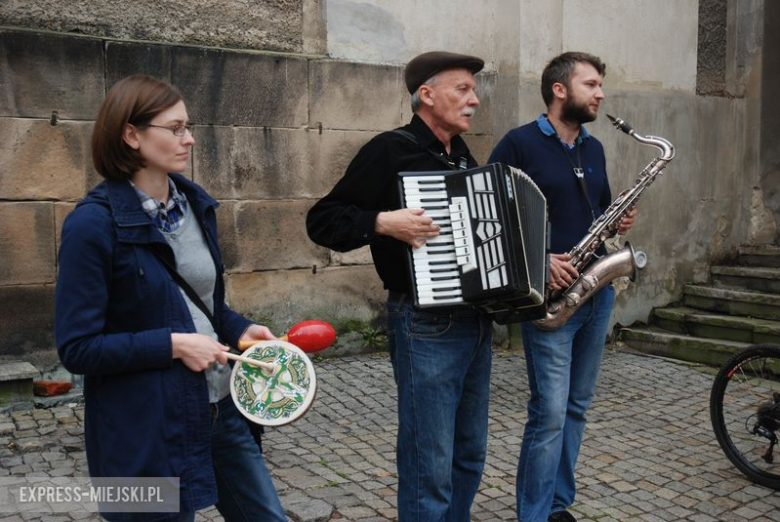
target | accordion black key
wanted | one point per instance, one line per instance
(491, 251)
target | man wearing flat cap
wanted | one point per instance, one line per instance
(441, 356)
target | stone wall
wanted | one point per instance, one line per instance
(282, 95)
(712, 197)
(273, 134)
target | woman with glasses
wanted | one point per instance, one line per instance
(156, 383)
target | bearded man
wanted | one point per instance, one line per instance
(568, 165)
(441, 356)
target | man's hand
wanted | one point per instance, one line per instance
(407, 225)
(197, 352)
(628, 221)
(256, 333)
(562, 272)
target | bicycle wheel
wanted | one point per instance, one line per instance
(745, 412)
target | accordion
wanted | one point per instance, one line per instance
(491, 251)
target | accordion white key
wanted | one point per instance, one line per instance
(491, 251)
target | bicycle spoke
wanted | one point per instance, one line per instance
(743, 390)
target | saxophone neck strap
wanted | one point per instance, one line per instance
(579, 173)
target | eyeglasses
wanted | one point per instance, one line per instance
(177, 130)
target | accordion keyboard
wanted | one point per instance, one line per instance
(436, 262)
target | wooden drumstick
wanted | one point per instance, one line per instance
(264, 365)
(310, 336)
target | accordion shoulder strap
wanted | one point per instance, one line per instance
(440, 157)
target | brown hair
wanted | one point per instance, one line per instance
(561, 68)
(135, 100)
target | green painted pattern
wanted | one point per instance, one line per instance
(273, 396)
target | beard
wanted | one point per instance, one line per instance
(576, 112)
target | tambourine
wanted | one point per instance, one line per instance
(281, 390)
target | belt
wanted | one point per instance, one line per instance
(401, 297)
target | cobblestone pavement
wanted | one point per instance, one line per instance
(648, 454)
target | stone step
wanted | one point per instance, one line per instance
(732, 302)
(16, 384)
(761, 279)
(652, 340)
(689, 321)
(759, 255)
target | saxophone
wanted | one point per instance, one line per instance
(625, 262)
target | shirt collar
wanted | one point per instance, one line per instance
(429, 140)
(548, 130)
(167, 216)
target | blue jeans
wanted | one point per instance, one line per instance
(441, 363)
(244, 487)
(563, 367)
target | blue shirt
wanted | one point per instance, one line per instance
(537, 150)
(168, 217)
(546, 127)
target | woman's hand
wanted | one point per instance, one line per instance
(562, 272)
(256, 333)
(197, 352)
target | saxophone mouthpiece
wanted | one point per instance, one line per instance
(620, 124)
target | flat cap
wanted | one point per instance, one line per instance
(422, 67)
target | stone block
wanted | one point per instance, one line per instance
(268, 235)
(507, 96)
(43, 72)
(331, 154)
(221, 87)
(127, 58)
(482, 121)
(16, 384)
(274, 26)
(361, 256)
(17, 370)
(356, 96)
(41, 161)
(26, 243)
(28, 318)
(226, 229)
(252, 163)
(61, 211)
(285, 298)
(480, 146)
(265, 163)
(315, 27)
(712, 48)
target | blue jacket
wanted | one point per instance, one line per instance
(147, 415)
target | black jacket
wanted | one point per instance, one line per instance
(344, 219)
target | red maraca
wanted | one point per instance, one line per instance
(310, 336)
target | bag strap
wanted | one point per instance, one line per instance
(411, 137)
(191, 293)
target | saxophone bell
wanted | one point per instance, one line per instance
(625, 262)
